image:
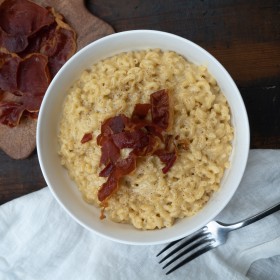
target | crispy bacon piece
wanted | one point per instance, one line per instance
(87, 137)
(140, 135)
(20, 19)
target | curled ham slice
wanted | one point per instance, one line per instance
(142, 136)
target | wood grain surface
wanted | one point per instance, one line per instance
(20, 142)
(243, 35)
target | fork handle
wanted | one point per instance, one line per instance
(254, 218)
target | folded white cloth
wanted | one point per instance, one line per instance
(40, 241)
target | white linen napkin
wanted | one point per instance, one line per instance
(40, 241)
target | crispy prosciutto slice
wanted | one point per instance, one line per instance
(9, 64)
(111, 126)
(140, 111)
(10, 113)
(120, 169)
(114, 125)
(57, 41)
(34, 43)
(142, 136)
(135, 139)
(86, 138)
(59, 44)
(166, 157)
(20, 19)
(33, 75)
(108, 188)
(108, 169)
(33, 78)
(162, 111)
(167, 154)
(109, 152)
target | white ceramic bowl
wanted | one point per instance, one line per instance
(65, 190)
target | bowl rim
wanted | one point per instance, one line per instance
(246, 144)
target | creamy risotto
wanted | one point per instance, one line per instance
(147, 198)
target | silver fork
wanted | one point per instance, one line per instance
(212, 235)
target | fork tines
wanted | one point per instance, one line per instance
(193, 243)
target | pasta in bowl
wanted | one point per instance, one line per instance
(208, 119)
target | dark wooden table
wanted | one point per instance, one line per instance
(243, 35)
